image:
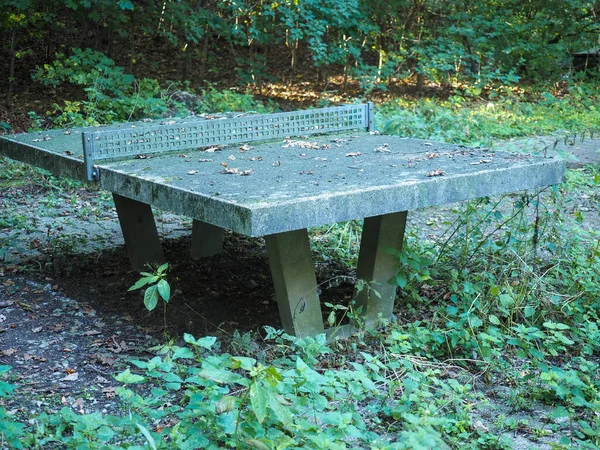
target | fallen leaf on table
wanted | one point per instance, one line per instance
(245, 148)
(230, 171)
(352, 154)
(246, 172)
(383, 149)
(436, 173)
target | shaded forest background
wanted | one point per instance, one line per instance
(79, 62)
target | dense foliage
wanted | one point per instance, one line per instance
(374, 41)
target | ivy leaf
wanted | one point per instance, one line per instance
(151, 298)
(164, 290)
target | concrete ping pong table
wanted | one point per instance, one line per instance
(275, 175)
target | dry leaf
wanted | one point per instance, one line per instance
(205, 160)
(300, 144)
(192, 172)
(213, 149)
(246, 172)
(382, 149)
(8, 352)
(231, 158)
(245, 148)
(276, 163)
(352, 154)
(231, 171)
(71, 377)
(436, 173)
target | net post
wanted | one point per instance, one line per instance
(370, 110)
(91, 172)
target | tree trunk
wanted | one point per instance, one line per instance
(11, 74)
(204, 58)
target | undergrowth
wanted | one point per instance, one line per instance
(503, 298)
(471, 119)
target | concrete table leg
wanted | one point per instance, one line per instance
(377, 264)
(295, 282)
(207, 240)
(139, 232)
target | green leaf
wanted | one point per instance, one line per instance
(529, 311)
(259, 444)
(182, 353)
(129, 378)
(206, 342)
(126, 4)
(140, 283)
(219, 375)
(151, 298)
(164, 290)
(559, 412)
(244, 362)
(494, 320)
(148, 436)
(258, 401)
(162, 268)
(401, 280)
(282, 413)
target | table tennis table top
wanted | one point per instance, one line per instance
(263, 188)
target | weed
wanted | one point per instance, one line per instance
(157, 288)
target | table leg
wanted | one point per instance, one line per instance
(139, 232)
(295, 282)
(207, 239)
(377, 264)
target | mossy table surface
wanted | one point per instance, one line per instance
(266, 188)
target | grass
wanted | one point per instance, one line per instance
(498, 334)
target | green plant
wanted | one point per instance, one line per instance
(11, 431)
(157, 288)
